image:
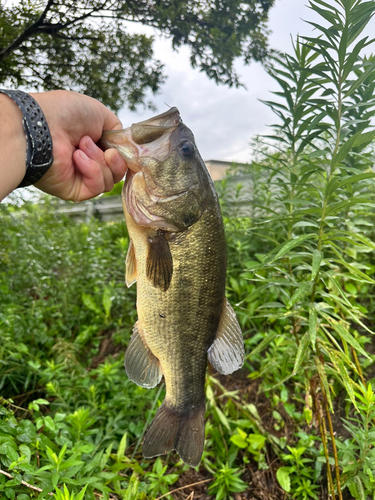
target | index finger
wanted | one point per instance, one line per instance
(110, 120)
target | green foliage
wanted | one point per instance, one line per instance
(227, 481)
(65, 495)
(298, 477)
(116, 191)
(86, 46)
(61, 293)
(64, 309)
(300, 237)
(357, 455)
(159, 480)
(303, 293)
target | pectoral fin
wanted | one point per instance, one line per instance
(227, 353)
(141, 366)
(159, 265)
(131, 266)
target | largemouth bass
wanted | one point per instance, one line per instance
(177, 256)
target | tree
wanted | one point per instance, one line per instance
(85, 45)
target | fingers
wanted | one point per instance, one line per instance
(110, 120)
(116, 163)
(99, 171)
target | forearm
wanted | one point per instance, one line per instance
(80, 169)
(12, 146)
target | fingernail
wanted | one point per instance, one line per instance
(117, 159)
(91, 146)
(82, 154)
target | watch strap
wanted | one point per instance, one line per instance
(39, 156)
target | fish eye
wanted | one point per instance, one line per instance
(187, 149)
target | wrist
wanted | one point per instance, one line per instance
(39, 156)
(13, 146)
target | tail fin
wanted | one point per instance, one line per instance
(174, 430)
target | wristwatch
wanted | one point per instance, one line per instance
(39, 156)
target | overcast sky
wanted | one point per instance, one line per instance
(224, 119)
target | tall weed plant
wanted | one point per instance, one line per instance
(314, 250)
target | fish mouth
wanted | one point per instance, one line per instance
(138, 211)
(149, 138)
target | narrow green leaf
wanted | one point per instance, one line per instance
(359, 274)
(362, 239)
(343, 45)
(62, 452)
(302, 352)
(352, 58)
(223, 419)
(328, 15)
(360, 488)
(316, 261)
(359, 81)
(81, 494)
(357, 27)
(360, 177)
(260, 347)
(343, 374)
(285, 247)
(304, 223)
(55, 478)
(341, 205)
(324, 4)
(301, 292)
(343, 151)
(331, 186)
(105, 456)
(122, 446)
(71, 463)
(348, 337)
(107, 301)
(312, 325)
(363, 137)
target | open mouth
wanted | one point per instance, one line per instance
(150, 138)
(152, 129)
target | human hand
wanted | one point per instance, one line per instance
(80, 169)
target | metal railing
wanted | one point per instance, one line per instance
(109, 208)
(105, 209)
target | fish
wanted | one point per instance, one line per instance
(177, 257)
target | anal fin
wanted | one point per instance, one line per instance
(227, 353)
(130, 266)
(141, 365)
(159, 264)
